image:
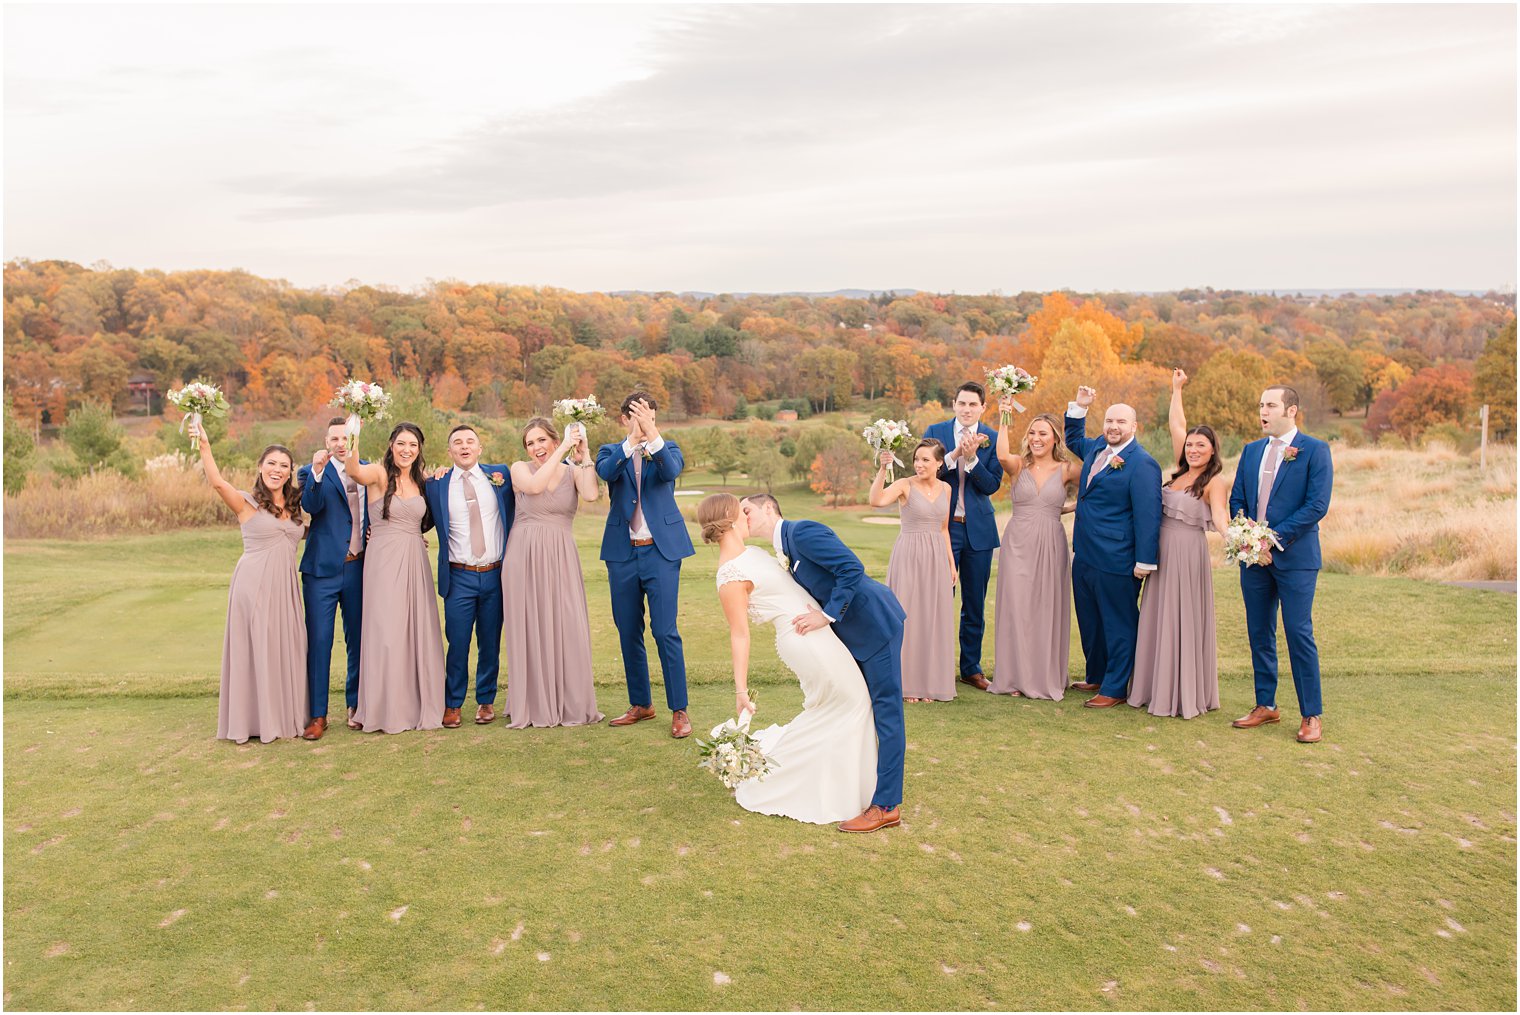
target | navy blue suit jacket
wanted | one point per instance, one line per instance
(1119, 517)
(437, 493)
(332, 521)
(1300, 497)
(658, 496)
(981, 483)
(866, 613)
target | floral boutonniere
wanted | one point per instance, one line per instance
(1116, 463)
(496, 478)
(983, 441)
(1290, 453)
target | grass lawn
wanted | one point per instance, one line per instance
(1050, 857)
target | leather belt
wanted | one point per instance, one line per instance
(353, 557)
(960, 521)
(475, 567)
(641, 542)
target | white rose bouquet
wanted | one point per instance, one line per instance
(582, 411)
(732, 754)
(1246, 540)
(362, 402)
(1010, 381)
(887, 435)
(198, 400)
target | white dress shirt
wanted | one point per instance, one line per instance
(630, 449)
(1287, 439)
(459, 517)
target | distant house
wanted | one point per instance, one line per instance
(786, 415)
(143, 386)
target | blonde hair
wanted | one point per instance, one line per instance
(716, 515)
(539, 423)
(1057, 446)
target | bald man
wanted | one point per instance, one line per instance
(1114, 543)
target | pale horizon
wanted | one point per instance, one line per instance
(758, 149)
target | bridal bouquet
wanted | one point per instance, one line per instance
(887, 435)
(198, 400)
(1246, 540)
(732, 754)
(362, 401)
(1011, 381)
(585, 411)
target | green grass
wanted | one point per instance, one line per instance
(1050, 857)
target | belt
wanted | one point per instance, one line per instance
(641, 542)
(494, 565)
(959, 521)
(353, 557)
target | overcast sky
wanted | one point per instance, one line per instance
(769, 148)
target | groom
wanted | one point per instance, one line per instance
(869, 620)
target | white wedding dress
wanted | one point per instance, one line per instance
(826, 757)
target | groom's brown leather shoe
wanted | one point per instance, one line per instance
(1258, 716)
(451, 719)
(635, 713)
(976, 680)
(1102, 701)
(680, 725)
(484, 714)
(318, 726)
(873, 819)
(1309, 730)
(1082, 685)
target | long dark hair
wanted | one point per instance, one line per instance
(264, 498)
(393, 471)
(1212, 469)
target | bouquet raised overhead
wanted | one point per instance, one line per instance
(361, 402)
(198, 400)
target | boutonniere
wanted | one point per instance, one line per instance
(1116, 463)
(1290, 453)
(496, 478)
(786, 562)
(982, 440)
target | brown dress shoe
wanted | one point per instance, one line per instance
(451, 719)
(1309, 730)
(680, 725)
(318, 726)
(873, 819)
(351, 724)
(1102, 701)
(485, 714)
(976, 680)
(635, 713)
(1082, 685)
(1258, 716)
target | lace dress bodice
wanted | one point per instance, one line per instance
(776, 597)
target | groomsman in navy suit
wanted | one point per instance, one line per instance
(472, 505)
(1114, 543)
(1284, 479)
(974, 474)
(643, 545)
(332, 572)
(867, 617)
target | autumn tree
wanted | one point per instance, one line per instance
(839, 469)
(1226, 392)
(1494, 380)
(1435, 395)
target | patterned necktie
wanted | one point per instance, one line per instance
(1268, 475)
(1100, 463)
(638, 489)
(477, 525)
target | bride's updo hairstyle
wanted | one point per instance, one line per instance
(716, 515)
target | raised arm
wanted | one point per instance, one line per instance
(1076, 422)
(371, 475)
(880, 495)
(308, 477)
(1176, 420)
(735, 599)
(1012, 464)
(231, 495)
(525, 480)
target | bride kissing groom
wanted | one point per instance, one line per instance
(843, 755)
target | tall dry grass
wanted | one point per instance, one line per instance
(108, 504)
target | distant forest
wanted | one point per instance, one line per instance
(120, 338)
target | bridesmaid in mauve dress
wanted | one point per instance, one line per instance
(1032, 622)
(263, 692)
(547, 628)
(921, 572)
(401, 656)
(1176, 671)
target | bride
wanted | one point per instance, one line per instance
(825, 759)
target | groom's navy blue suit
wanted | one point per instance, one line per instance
(1299, 498)
(1118, 527)
(651, 570)
(329, 580)
(869, 620)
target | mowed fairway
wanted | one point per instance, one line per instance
(1050, 856)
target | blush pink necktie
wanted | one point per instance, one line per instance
(1268, 475)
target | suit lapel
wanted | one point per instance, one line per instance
(1282, 464)
(337, 478)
